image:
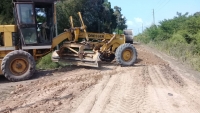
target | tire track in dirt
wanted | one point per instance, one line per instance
(150, 86)
(171, 99)
(50, 91)
(128, 96)
(160, 91)
(98, 98)
(123, 89)
(104, 96)
(87, 104)
(189, 89)
(189, 97)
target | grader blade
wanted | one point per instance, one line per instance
(81, 63)
(72, 60)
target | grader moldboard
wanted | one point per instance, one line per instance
(29, 40)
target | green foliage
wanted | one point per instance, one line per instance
(142, 38)
(152, 32)
(193, 24)
(182, 51)
(46, 63)
(120, 19)
(196, 43)
(179, 37)
(6, 12)
(97, 15)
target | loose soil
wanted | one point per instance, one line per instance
(155, 84)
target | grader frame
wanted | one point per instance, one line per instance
(86, 48)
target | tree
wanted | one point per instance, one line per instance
(6, 12)
(97, 15)
(120, 19)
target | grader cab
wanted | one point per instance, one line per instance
(33, 36)
(28, 40)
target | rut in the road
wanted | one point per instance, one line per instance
(141, 90)
(127, 97)
(126, 91)
(44, 93)
(150, 86)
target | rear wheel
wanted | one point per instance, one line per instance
(126, 54)
(18, 65)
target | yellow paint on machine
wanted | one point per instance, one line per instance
(7, 34)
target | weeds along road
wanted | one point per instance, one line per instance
(156, 84)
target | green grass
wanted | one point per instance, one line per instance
(46, 63)
(178, 47)
(182, 51)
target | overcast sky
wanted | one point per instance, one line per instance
(138, 12)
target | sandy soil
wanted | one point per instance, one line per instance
(156, 84)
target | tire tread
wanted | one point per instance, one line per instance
(119, 51)
(15, 53)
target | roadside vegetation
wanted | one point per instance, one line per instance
(178, 37)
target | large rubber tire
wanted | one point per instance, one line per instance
(126, 54)
(18, 65)
(128, 32)
(129, 36)
(129, 39)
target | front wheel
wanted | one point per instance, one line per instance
(126, 54)
(18, 65)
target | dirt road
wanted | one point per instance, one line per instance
(156, 84)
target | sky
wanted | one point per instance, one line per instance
(139, 13)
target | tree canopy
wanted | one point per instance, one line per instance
(178, 37)
(183, 28)
(183, 24)
(97, 15)
(6, 12)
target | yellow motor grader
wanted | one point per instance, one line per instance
(29, 40)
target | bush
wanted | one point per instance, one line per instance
(142, 38)
(188, 37)
(196, 43)
(177, 39)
